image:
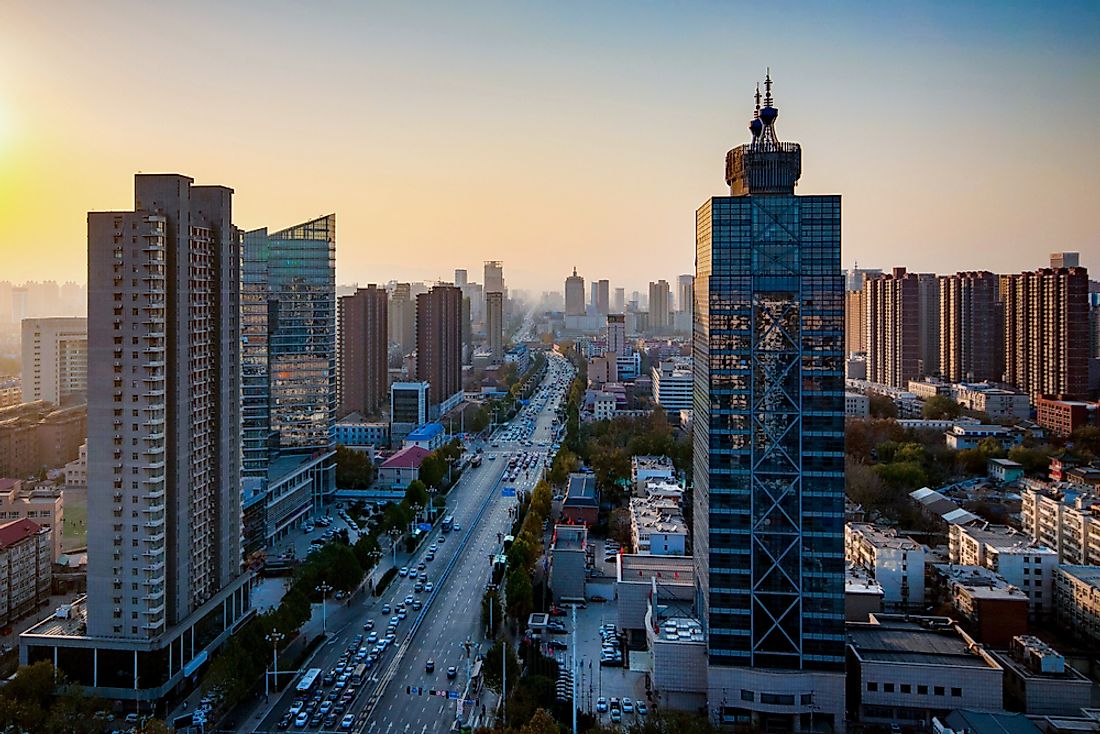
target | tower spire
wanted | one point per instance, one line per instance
(768, 88)
(756, 114)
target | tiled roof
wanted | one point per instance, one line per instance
(17, 530)
(410, 457)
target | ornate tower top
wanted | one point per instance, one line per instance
(765, 165)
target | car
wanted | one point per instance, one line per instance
(385, 609)
(452, 673)
(433, 548)
(616, 715)
(330, 721)
(417, 606)
(628, 704)
(429, 666)
(409, 599)
(421, 566)
(368, 625)
(423, 576)
(347, 721)
(430, 557)
(296, 708)
(419, 587)
(315, 722)
(284, 723)
(641, 709)
(457, 527)
(394, 620)
(441, 538)
(428, 587)
(403, 571)
(402, 614)
(301, 720)
(372, 637)
(601, 704)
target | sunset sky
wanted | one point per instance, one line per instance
(554, 134)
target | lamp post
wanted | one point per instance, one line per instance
(324, 588)
(432, 492)
(417, 507)
(395, 533)
(274, 637)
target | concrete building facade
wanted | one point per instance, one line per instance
(55, 359)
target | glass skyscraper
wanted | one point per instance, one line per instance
(768, 530)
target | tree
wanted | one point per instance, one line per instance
(366, 550)
(619, 526)
(519, 594)
(491, 668)
(1086, 439)
(1033, 460)
(882, 406)
(416, 493)
(939, 407)
(433, 470)
(541, 723)
(491, 610)
(354, 469)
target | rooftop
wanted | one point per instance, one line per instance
(649, 462)
(1004, 539)
(410, 457)
(936, 642)
(425, 432)
(581, 489)
(883, 537)
(980, 582)
(1086, 574)
(16, 531)
(985, 722)
(668, 570)
(570, 537)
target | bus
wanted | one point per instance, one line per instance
(359, 674)
(308, 681)
(448, 523)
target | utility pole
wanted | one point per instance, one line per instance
(324, 588)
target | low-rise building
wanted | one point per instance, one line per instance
(44, 504)
(1038, 682)
(862, 594)
(26, 565)
(581, 505)
(400, 469)
(568, 556)
(11, 391)
(856, 405)
(993, 610)
(994, 401)
(635, 575)
(1063, 417)
(936, 504)
(646, 468)
(603, 406)
(895, 562)
(1004, 470)
(929, 388)
(1013, 556)
(76, 471)
(36, 436)
(1077, 601)
(961, 437)
(355, 431)
(909, 670)
(429, 436)
(657, 527)
(1063, 517)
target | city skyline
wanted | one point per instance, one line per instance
(952, 97)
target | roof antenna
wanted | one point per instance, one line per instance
(757, 113)
(768, 88)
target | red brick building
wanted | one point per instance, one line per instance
(1063, 417)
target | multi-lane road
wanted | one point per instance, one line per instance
(451, 613)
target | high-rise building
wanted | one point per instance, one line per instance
(855, 322)
(618, 305)
(165, 581)
(1046, 331)
(439, 343)
(616, 333)
(970, 327)
(461, 279)
(892, 307)
(55, 359)
(659, 306)
(769, 440)
(402, 316)
(685, 287)
(574, 295)
(494, 277)
(603, 297)
(857, 276)
(1065, 260)
(494, 320)
(928, 323)
(363, 380)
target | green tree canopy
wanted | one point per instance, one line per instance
(940, 407)
(354, 469)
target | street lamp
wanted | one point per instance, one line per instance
(324, 588)
(417, 507)
(274, 637)
(394, 533)
(432, 492)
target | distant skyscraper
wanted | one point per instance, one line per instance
(574, 295)
(494, 277)
(165, 583)
(402, 316)
(856, 277)
(494, 320)
(971, 338)
(616, 333)
(603, 300)
(685, 286)
(55, 359)
(928, 323)
(1065, 260)
(1046, 332)
(855, 322)
(659, 306)
(460, 278)
(364, 352)
(618, 305)
(769, 441)
(439, 342)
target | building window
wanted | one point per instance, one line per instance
(778, 699)
(906, 688)
(956, 692)
(747, 695)
(922, 690)
(887, 687)
(872, 686)
(938, 690)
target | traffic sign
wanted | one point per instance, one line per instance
(453, 695)
(508, 492)
(425, 527)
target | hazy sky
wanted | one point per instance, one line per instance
(961, 135)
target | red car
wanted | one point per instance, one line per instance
(557, 612)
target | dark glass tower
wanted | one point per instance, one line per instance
(769, 436)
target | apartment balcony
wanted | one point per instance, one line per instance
(155, 479)
(155, 567)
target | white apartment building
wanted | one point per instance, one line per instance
(1012, 555)
(55, 359)
(856, 405)
(644, 469)
(1065, 518)
(673, 384)
(76, 471)
(1077, 600)
(996, 402)
(895, 562)
(603, 406)
(657, 527)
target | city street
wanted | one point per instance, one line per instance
(451, 613)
